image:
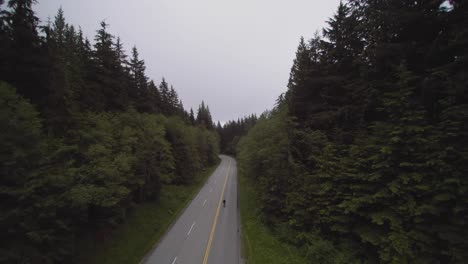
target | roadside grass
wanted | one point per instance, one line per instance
(260, 246)
(144, 226)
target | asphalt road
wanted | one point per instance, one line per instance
(206, 232)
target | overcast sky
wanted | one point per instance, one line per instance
(233, 54)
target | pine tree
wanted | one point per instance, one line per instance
(99, 156)
(30, 188)
(86, 90)
(165, 97)
(204, 117)
(137, 71)
(119, 50)
(192, 117)
(110, 92)
(374, 138)
(154, 98)
(22, 48)
(343, 40)
(299, 85)
(139, 90)
(125, 74)
(181, 111)
(173, 101)
(61, 49)
(233, 131)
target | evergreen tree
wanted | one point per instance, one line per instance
(204, 117)
(232, 131)
(299, 83)
(119, 50)
(137, 70)
(173, 100)
(154, 97)
(61, 48)
(99, 157)
(180, 111)
(140, 90)
(366, 138)
(165, 97)
(22, 48)
(192, 117)
(110, 93)
(343, 40)
(30, 190)
(86, 90)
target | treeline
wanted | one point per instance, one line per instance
(232, 131)
(364, 159)
(85, 136)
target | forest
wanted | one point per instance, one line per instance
(232, 131)
(86, 135)
(364, 157)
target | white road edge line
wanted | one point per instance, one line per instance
(204, 202)
(188, 234)
(175, 259)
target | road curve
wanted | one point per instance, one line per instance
(206, 232)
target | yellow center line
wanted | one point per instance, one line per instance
(213, 227)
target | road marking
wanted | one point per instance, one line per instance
(204, 202)
(213, 228)
(188, 234)
(175, 259)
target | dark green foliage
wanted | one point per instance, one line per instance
(192, 117)
(204, 117)
(232, 131)
(142, 91)
(368, 163)
(169, 101)
(109, 162)
(106, 72)
(21, 46)
(264, 153)
(85, 137)
(30, 189)
(65, 74)
(193, 149)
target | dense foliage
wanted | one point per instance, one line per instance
(232, 131)
(364, 160)
(85, 136)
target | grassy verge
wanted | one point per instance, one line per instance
(259, 244)
(146, 224)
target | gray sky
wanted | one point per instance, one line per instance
(233, 54)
